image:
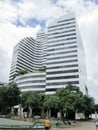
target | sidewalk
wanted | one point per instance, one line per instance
(79, 126)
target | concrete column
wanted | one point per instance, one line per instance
(30, 113)
(42, 112)
(59, 115)
(49, 113)
(95, 115)
(20, 111)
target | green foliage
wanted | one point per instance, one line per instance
(54, 101)
(20, 72)
(89, 106)
(66, 100)
(70, 98)
(51, 102)
(96, 107)
(13, 95)
(72, 88)
(43, 68)
(42, 98)
(31, 99)
(3, 100)
(46, 101)
(9, 97)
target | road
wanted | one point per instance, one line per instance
(77, 126)
(13, 122)
(80, 126)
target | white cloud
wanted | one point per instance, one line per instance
(10, 35)
(86, 12)
(8, 12)
(88, 24)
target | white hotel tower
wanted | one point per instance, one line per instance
(28, 54)
(60, 50)
(65, 55)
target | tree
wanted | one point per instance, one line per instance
(3, 100)
(71, 100)
(89, 106)
(31, 100)
(13, 93)
(66, 100)
(96, 108)
(51, 101)
(72, 88)
(9, 97)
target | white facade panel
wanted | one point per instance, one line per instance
(61, 69)
(32, 81)
(28, 54)
(59, 55)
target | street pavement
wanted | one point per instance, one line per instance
(76, 126)
(4, 121)
(80, 126)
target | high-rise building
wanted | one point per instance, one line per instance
(27, 54)
(65, 55)
(60, 51)
(42, 37)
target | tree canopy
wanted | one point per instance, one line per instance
(31, 99)
(70, 100)
(13, 94)
(66, 100)
(9, 97)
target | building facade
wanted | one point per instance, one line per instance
(27, 54)
(65, 55)
(32, 82)
(60, 50)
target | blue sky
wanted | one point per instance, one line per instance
(96, 1)
(32, 22)
(22, 18)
